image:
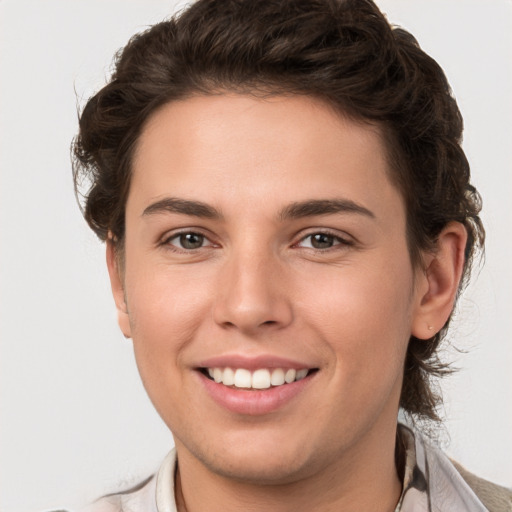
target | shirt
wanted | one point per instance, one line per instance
(432, 483)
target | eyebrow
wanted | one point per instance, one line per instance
(184, 207)
(296, 210)
(315, 207)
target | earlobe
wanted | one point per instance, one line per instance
(440, 281)
(117, 285)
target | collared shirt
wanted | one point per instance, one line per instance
(431, 484)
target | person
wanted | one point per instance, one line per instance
(289, 220)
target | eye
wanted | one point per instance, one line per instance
(322, 241)
(188, 241)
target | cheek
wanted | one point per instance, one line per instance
(166, 312)
(166, 309)
(364, 318)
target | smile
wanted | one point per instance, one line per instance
(262, 378)
(254, 393)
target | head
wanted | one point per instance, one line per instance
(343, 54)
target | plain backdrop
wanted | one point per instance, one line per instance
(75, 421)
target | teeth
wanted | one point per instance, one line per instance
(242, 378)
(289, 376)
(277, 377)
(228, 377)
(217, 375)
(259, 379)
(301, 374)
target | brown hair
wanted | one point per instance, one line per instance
(343, 52)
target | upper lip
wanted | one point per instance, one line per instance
(252, 362)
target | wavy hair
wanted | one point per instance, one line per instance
(343, 52)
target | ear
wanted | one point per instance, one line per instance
(116, 282)
(438, 284)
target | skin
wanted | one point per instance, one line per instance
(258, 286)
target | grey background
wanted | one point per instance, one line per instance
(74, 419)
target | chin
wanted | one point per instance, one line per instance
(259, 461)
(264, 470)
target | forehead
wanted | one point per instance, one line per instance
(237, 150)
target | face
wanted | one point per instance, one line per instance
(267, 283)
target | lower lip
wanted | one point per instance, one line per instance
(254, 402)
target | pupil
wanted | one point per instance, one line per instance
(321, 241)
(191, 240)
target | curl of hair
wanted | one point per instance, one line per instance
(343, 52)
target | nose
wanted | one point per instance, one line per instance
(252, 295)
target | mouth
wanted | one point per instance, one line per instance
(257, 385)
(259, 379)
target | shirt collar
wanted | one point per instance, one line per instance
(430, 484)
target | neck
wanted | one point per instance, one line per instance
(365, 479)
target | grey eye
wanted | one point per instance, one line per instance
(322, 240)
(191, 240)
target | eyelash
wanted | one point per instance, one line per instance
(166, 242)
(336, 240)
